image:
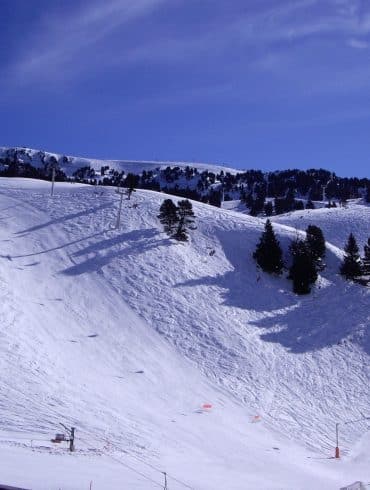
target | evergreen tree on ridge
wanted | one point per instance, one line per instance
(268, 253)
(351, 265)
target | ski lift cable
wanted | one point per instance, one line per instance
(114, 446)
(161, 471)
(135, 471)
(117, 448)
(155, 468)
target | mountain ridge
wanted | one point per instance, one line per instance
(262, 193)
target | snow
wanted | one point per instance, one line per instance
(125, 334)
(33, 157)
(336, 223)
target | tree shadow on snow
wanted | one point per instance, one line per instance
(124, 245)
(336, 314)
(245, 287)
(64, 218)
(339, 314)
(63, 245)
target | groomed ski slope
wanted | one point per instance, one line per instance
(125, 334)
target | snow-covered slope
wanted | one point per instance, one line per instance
(125, 334)
(70, 164)
(336, 223)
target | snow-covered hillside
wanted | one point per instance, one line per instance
(125, 334)
(336, 223)
(69, 164)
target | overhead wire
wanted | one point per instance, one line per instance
(114, 446)
(153, 467)
(135, 471)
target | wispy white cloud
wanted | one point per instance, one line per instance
(296, 42)
(304, 19)
(61, 46)
(358, 43)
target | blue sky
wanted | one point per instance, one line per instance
(266, 84)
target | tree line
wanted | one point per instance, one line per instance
(263, 193)
(307, 258)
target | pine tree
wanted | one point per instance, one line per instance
(298, 205)
(310, 204)
(185, 217)
(215, 198)
(257, 207)
(366, 259)
(279, 205)
(168, 216)
(315, 193)
(131, 182)
(316, 243)
(249, 199)
(289, 200)
(303, 270)
(268, 253)
(268, 208)
(367, 195)
(351, 265)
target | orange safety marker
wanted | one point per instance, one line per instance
(207, 406)
(256, 418)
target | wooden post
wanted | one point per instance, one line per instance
(118, 222)
(337, 452)
(72, 440)
(52, 180)
(165, 481)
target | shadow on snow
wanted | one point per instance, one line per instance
(336, 312)
(123, 245)
(64, 218)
